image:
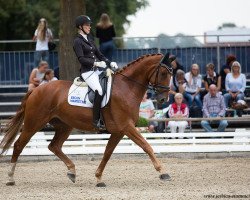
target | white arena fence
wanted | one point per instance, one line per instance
(238, 141)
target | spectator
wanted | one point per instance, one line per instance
(213, 106)
(105, 31)
(37, 75)
(225, 70)
(193, 87)
(212, 77)
(48, 76)
(175, 64)
(42, 37)
(147, 110)
(177, 84)
(178, 110)
(235, 84)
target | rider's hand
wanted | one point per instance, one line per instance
(101, 64)
(114, 65)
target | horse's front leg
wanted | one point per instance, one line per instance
(112, 143)
(137, 138)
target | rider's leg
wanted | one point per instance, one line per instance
(92, 79)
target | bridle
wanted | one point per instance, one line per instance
(155, 86)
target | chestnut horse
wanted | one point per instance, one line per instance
(48, 104)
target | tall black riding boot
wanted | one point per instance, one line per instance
(96, 111)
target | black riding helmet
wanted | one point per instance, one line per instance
(81, 20)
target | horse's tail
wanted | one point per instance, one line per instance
(14, 126)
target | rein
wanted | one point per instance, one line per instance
(154, 86)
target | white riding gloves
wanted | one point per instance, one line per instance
(101, 64)
(114, 65)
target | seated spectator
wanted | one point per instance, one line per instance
(48, 76)
(147, 110)
(211, 77)
(193, 87)
(175, 64)
(235, 84)
(213, 106)
(177, 84)
(178, 110)
(225, 70)
(37, 75)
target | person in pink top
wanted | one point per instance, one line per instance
(178, 110)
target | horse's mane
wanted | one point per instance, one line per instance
(136, 61)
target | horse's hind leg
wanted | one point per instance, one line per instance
(112, 143)
(62, 132)
(27, 132)
(21, 142)
(137, 138)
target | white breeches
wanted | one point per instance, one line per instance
(174, 124)
(92, 80)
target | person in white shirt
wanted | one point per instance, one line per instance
(147, 110)
(48, 77)
(42, 36)
(235, 84)
(193, 86)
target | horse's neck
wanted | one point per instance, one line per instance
(137, 78)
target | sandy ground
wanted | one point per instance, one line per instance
(129, 178)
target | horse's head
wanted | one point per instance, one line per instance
(160, 78)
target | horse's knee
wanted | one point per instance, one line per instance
(53, 148)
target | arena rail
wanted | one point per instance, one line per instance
(238, 141)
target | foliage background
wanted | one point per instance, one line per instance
(19, 18)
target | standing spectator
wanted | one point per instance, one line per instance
(213, 106)
(178, 110)
(235, 84)
(193, 87)
(177, 84)
(37, 75)
(42, 37)
(105, 31)
(225, 70)
(147, 110)
(212, 77)
(48, 76)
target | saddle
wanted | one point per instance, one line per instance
(103, 79)
(81, 95)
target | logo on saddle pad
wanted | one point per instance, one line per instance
(81, 95)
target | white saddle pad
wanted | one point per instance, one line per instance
(77, 94)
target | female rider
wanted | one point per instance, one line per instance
(92, 62)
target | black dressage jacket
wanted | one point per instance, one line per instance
(87, 53)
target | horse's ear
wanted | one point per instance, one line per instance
(165, 60)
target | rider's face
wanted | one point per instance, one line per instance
(86, 28)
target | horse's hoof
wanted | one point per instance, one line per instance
(10, 183)
(102, 184)
(165, 177)
(72, 177)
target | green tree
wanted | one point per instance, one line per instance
(19, 19)
(118, 11)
